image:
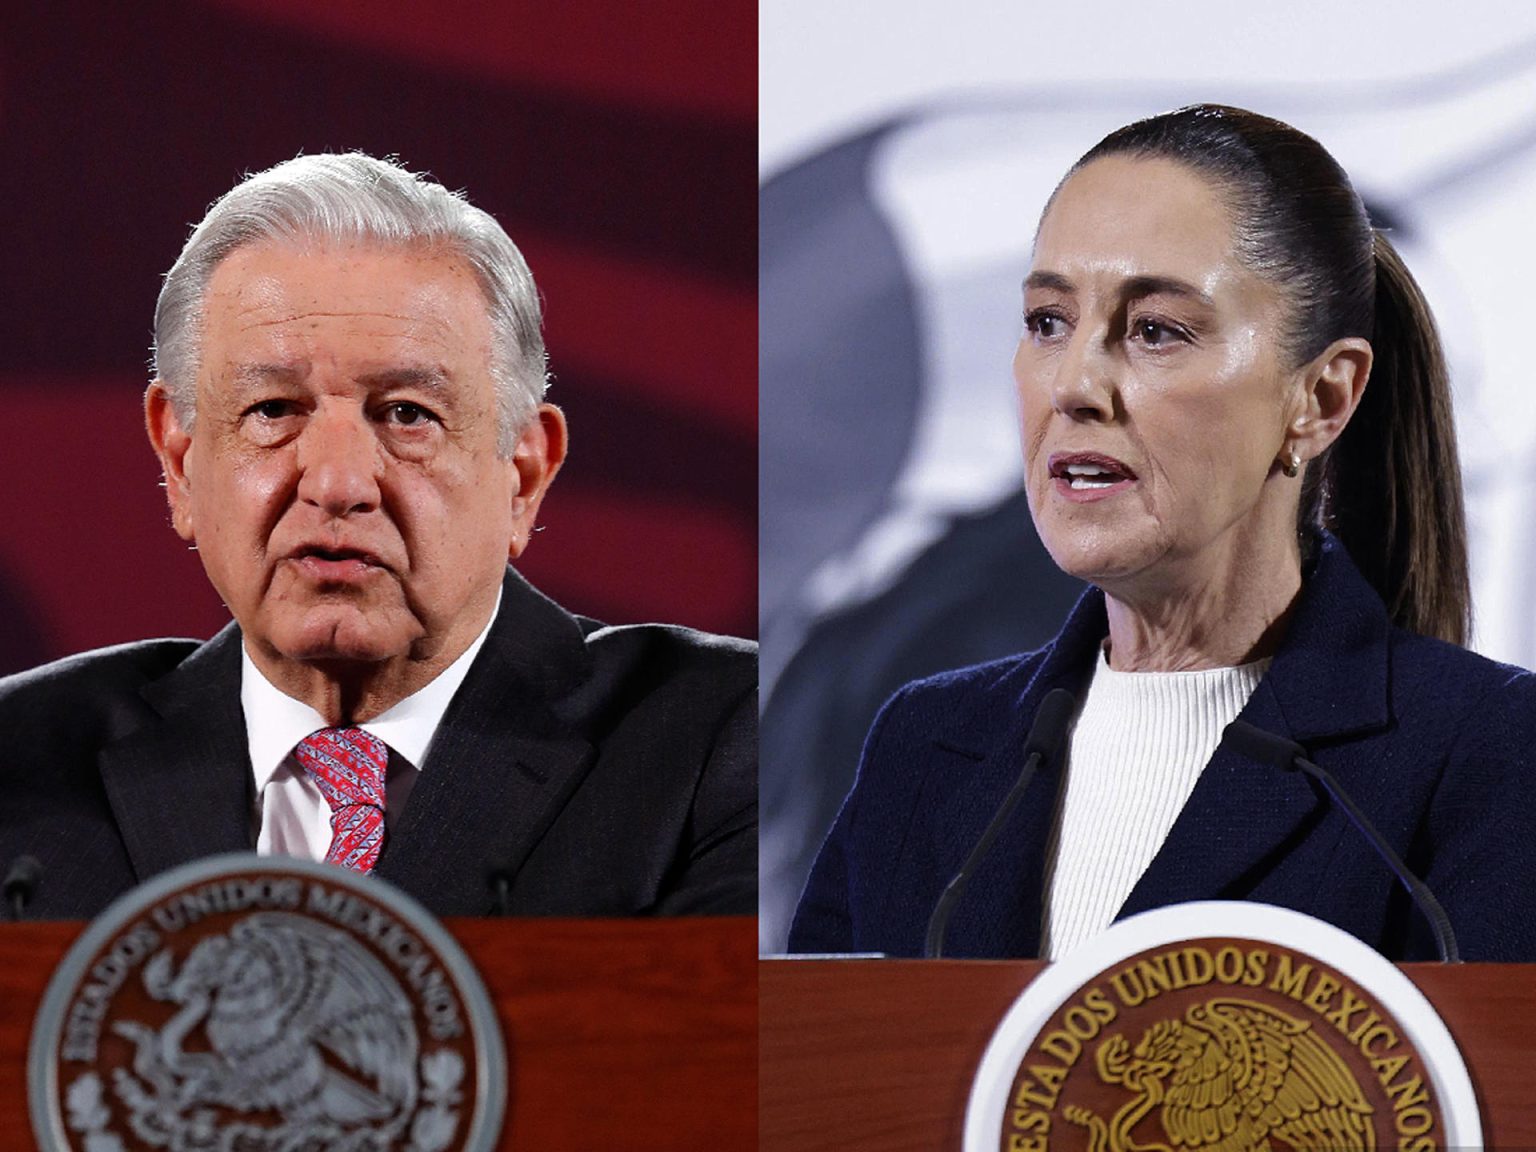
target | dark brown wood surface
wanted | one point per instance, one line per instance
(879, 1054)
(630, 1035)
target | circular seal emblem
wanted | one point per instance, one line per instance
(262, 1003)
(1273, 1031)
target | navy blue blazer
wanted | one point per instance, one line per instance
(1432, 741)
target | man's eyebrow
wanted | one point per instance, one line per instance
(254, 375)
(428, 379)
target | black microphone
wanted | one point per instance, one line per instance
(1267, 748)
(21, 883)
(500, 880)
(1052, 719)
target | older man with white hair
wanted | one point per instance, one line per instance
(348, 410)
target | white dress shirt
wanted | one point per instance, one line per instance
(291, 814)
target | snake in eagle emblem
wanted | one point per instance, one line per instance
(1232, 1076)
(283, 1016)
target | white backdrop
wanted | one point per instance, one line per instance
(971, 116)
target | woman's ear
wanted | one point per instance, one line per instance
(1333, 384)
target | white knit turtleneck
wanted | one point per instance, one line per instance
(1139, 745)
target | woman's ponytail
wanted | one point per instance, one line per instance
(1392, 481)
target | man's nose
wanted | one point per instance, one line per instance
(339, 461)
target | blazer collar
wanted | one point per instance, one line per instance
(179, 781)
(1329, 678)
(510, 751)
(1327, 682)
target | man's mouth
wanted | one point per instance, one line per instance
(332, 563)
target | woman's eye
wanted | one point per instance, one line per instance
(1154, 333)
(1044, 325)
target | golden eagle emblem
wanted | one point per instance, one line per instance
(1232, 1076)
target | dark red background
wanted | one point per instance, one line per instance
(615, 141)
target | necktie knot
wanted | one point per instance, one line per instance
(348, 766)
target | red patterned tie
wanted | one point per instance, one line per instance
(347, 764)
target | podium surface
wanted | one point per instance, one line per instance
(880, 1054)
(626, 1034)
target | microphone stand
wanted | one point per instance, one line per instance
(1287, 755)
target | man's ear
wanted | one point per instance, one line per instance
(1333, 384)
(537, 456)
(171, 443)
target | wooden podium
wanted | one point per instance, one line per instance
(879, 1054)
(621, 1034)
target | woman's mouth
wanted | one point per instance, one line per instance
(1088, 474)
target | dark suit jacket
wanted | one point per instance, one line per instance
(601, 771)
(1433, 742)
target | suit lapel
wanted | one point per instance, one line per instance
(1241, 818)
(179, 783)
(1001, 911)
(503, 762)
(1327, 683)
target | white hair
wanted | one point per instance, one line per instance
(352, 198)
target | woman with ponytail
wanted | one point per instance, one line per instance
(1237, 428)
